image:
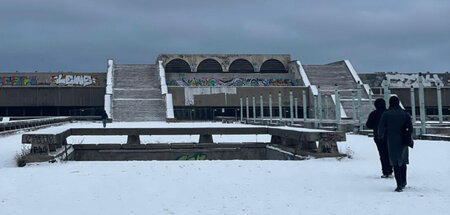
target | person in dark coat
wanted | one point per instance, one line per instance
(372, 122)
(390, 127)
(104, 118)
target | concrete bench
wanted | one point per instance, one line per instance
(300, 139)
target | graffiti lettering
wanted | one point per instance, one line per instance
(408, 80)
(236, 82)
(74, 80)
(18, 81)
(198, 156)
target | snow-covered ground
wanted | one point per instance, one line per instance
(316, 186)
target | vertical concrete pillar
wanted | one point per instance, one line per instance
(413, 104)
(280, 107)
(261, 107)
(386, 92)
(296, 107)
(422, 105)
(338, 107)
(353, 106)
(370, 100)
(242, 110)
(439, 102)
(325, 98)
(254, 108)
(359, 93)
(270, 108)
(291, 107)
(319, 104)
(315, 112)
(305, 108)
(246, 108)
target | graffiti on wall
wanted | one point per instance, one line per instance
(408, 80)
(235, 82)
(198, 156)
(18, 81)
(74, 80)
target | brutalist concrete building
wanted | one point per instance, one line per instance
(205, 87)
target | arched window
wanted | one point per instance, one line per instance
(177, 66)
(241, 66)
(209, 65)
(273, 66)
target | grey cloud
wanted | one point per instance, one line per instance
(403, 36)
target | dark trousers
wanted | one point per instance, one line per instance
(104, 123)
(384, 157)
(400, 175)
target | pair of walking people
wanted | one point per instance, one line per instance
(388, 127)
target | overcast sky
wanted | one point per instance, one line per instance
(78, 36)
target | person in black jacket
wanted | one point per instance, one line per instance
(104, 118)
(391, 128)
(372, 122)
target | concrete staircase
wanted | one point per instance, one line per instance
(326, 76)
(137, 93)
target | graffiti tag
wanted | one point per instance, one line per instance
(235, 82)
(74, 80)
(198, 156)
(18, 81)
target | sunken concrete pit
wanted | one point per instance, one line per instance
(287, 143)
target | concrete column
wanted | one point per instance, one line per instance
(254, 108)
(385, 85)
(242, 110)
(270, 107)
(291, 108)
(280, 106)
(370, 100)
(413, 104)
(422, 105)
(246, 109)
(353, 106)
(296, 107)
(319, 105)
(338, 107)
(325, 98)
(358, 87)
(261, 107)
(439, 102)
(315, 112)
(305, 108)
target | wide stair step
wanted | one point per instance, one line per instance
(137, 93)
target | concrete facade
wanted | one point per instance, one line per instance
(225, 60)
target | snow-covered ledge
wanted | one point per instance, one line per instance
(306, 79)
(164, 91)
(343, 114)
(356, 76)
(109, 87)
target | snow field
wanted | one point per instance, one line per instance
(316, 186)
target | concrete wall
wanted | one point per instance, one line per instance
(51, 96)
(405, 80)
(63, 79)
(230, 96)
(430, 96)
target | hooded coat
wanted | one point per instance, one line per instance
(391, 125)
(375, 116)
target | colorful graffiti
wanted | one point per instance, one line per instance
(198, 156)
(235, 82)
(74, 80)
(18, 81)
